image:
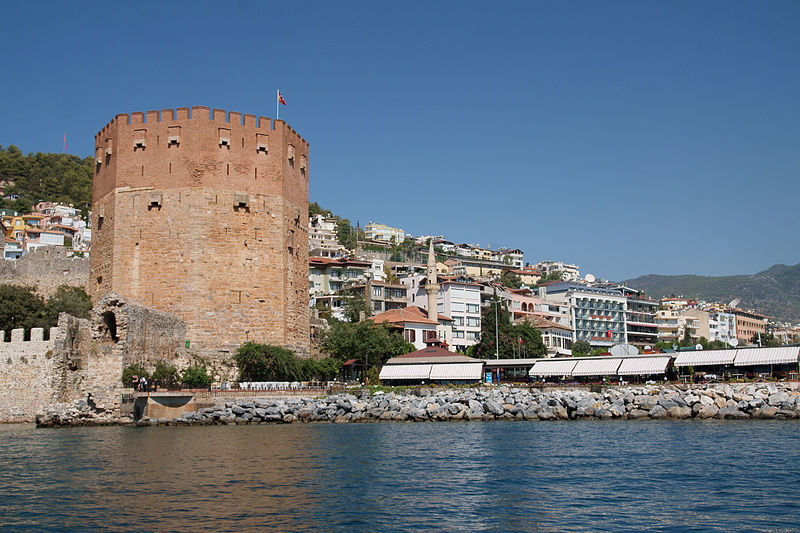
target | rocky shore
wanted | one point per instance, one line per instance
(721, 401)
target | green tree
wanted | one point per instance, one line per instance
(61, 178)
(195, 376)
(67, 299)
(264, 362)
(320, 369)
(315, 209)
(555, 275)
(373, 343)
(510, 280)
(686, 341)
(390, 276)
(581, 347)
(355, 305)
(323, 311)
(598, 351)
(768, 340)
(21, 307)
(347, 235)
(166, 374)
(133, 370)
(508, 335)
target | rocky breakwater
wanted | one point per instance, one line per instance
(79, 413)
(723, 401)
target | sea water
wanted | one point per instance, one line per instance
(477, 476)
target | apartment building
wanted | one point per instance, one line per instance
(597, 314)
(749, 324)
(458, 298)
(322, 237)
(568, 272)
(381, 232)
(673, 324)
(640, 319)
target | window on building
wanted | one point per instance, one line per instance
(473, 321)
(458, 320)
(472, 308)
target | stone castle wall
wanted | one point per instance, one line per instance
(26, 369)
(84, 358)
(205, 218)
(46, 268)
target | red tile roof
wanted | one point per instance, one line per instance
(542, 323)
(409, 314)
(432, 353)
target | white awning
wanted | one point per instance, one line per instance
(405, 372)
(457, 371)
(705, 357)
(552, 367)
(767, 356)
(643, 366)
(597, 367)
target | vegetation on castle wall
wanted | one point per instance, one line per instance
(195, 376)
(264, 362)
(167, 375)
(133, 370)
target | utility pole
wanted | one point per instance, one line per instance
(496, 331)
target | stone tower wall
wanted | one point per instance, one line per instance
(204, 217)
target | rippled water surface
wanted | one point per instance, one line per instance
(480, 476)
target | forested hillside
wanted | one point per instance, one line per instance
(774, 292)
(61, 178)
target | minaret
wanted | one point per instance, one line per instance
(432, 287)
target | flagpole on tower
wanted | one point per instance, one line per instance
(277, 104)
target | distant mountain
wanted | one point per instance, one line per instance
(774, 292)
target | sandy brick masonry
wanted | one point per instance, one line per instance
(46, 268)
(203, 215)
(26, 370)
(84, 358)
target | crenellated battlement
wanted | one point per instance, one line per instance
(18, 335)
(181, 196)
(199, 113)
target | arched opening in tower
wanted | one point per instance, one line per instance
(110, 327)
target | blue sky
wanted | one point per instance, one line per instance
(627, 137)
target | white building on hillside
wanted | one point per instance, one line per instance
(322, 238)
(459, 299)
(568, 272)
(381, 232)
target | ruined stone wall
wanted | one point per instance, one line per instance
(141, 336)
(85, 358)
(205, 218)
(46, 268)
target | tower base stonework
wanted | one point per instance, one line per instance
(204, 217)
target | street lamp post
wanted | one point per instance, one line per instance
(496, 332)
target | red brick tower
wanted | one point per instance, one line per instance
(206, 218)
